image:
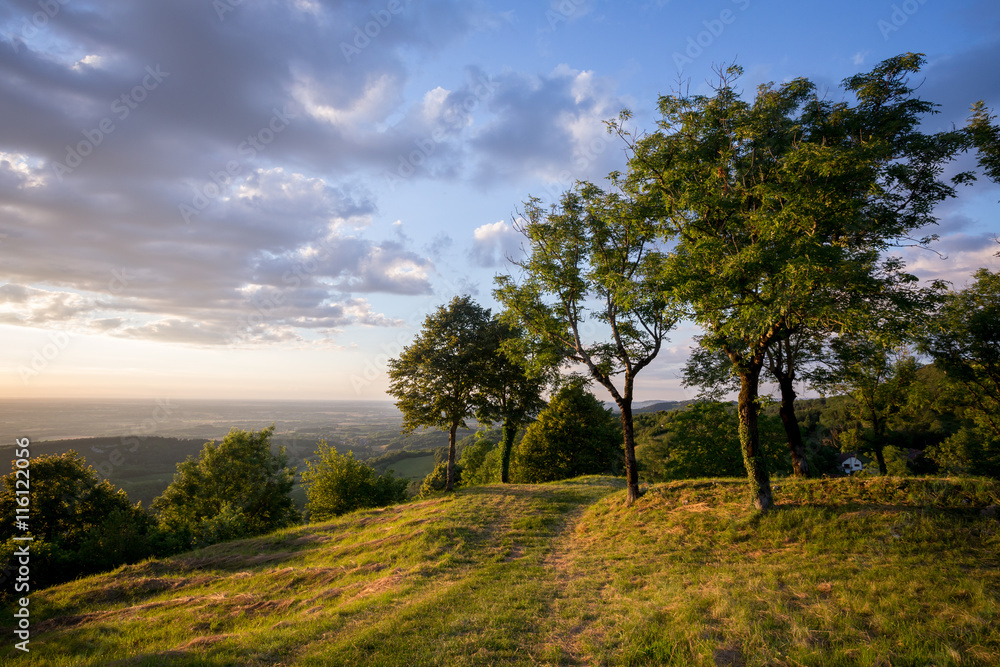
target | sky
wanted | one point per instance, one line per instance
(263, 199)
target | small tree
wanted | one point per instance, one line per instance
(876, 378)
(963, 337)
(337, 483)
(575, 435)
(239, 480)
(436, 378)
(594, 257)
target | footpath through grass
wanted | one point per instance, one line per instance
(843, 572)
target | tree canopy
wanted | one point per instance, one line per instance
(436, 379)
(233, 489)
(593, 260)
(779, 209)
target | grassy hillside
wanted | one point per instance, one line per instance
(844, 572)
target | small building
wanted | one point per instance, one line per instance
(850, 463)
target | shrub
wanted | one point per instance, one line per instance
(80, 523)
(337, 483)
(236, 488)
(437, 479)
(575, 435)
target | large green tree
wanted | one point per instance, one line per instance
(509, 389)
(592, 293)
(235, 488)
(436, 379)
(779, 210)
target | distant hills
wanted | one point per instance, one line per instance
(651, 406)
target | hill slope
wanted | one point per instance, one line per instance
(843, 572)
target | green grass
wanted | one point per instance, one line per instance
(843, 572)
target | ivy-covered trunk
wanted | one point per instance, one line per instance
(878, 441)
(631, 471)
(792, 430)
(450, 484)
(507, 446)
(760, 483)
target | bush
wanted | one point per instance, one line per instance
(337, 483)
(437, 479)
(80, 523)
(236, 488)
(480, 459)
(575, 435)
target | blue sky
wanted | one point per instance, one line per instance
(264, 198)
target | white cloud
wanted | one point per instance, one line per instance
(492, 243)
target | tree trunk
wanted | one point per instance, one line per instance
(450, 483)
(507, 445)
(760, 483)
(878, 429)
(631, 471)
(792, 430)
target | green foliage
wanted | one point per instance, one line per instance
(436, 378)
(337, 483)
(437, 480)
(703, 440)
(970, 451)
(877, 379)
(233, 489)
(481, 459)
(779, 212)
(986, 137)
(575, 435)
(80, 523)
(963, 337)
(600, 248)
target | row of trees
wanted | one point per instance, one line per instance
(236, 488)
(768, 222)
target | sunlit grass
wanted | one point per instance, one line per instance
(842, 572)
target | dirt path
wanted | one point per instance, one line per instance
(576, 598)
